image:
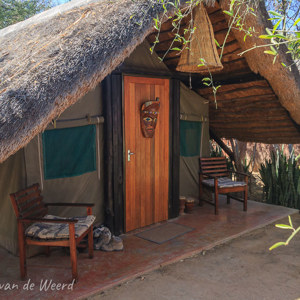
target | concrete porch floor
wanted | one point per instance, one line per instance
(140, 256)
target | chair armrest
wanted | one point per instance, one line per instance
(41, 220)
(70, 204)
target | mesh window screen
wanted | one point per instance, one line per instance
(190, 138)
(69, 152)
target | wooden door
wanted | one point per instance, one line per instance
(147, 171)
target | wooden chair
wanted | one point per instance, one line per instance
(48, 230)
(214, 175)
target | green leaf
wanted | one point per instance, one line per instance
(269, 31)
(217, 43)
(206, 79)
(283, 226)
(274, 13)
(229, 13)
(296, 22)
(231, 4)
(280, 36)
(273, 49)
(176, 49)
(276, 25)
(270, 52)
(290, 221)
(277, 245)
(171, 3)
(266, 36)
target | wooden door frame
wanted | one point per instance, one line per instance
(114, 153)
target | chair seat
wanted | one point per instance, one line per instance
(52, 231)
(223, 182)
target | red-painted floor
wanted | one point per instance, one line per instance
(107, 269)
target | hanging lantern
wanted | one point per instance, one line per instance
(202, 47)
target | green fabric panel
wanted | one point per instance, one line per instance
(69, 152)
(190, 138)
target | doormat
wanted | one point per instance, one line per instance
(164, 233)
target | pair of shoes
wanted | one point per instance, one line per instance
(115, 244)
(99, 231)
(102, 236)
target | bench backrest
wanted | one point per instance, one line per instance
(28, 202)
(214, 166)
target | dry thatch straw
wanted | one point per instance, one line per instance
(285, 83)
(51, 60)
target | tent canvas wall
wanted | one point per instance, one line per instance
(73, 47)
(85, 187)
(27, 165)
(194, 139)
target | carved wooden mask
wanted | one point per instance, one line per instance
(149, 114)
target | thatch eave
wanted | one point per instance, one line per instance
(50, 61)
(284, 82)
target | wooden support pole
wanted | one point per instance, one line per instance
(22, 250)
(221, 144)
(91, 242)
(73, 251)
(174, 148)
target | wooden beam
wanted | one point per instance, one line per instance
(117, 137)
(221, 144)
(108, 153)
(174, 148)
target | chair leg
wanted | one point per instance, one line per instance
(200, 192)
(228, 199)
(91, 243)
(73, 252)
(47, 251)
(216, 201)
(22, 250)
(245, 198)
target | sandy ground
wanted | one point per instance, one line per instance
(241, 269)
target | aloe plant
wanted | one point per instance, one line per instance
(281, 178)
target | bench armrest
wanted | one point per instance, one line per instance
(70, 204)
(42, 220)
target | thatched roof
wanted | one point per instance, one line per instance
(51, 60)
(285, 83)
(258, 101)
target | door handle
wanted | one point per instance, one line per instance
(129, 153)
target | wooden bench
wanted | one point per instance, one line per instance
(56, 231)
(215, 176)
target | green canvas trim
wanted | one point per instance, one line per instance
(190, 138)
(69, 152)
